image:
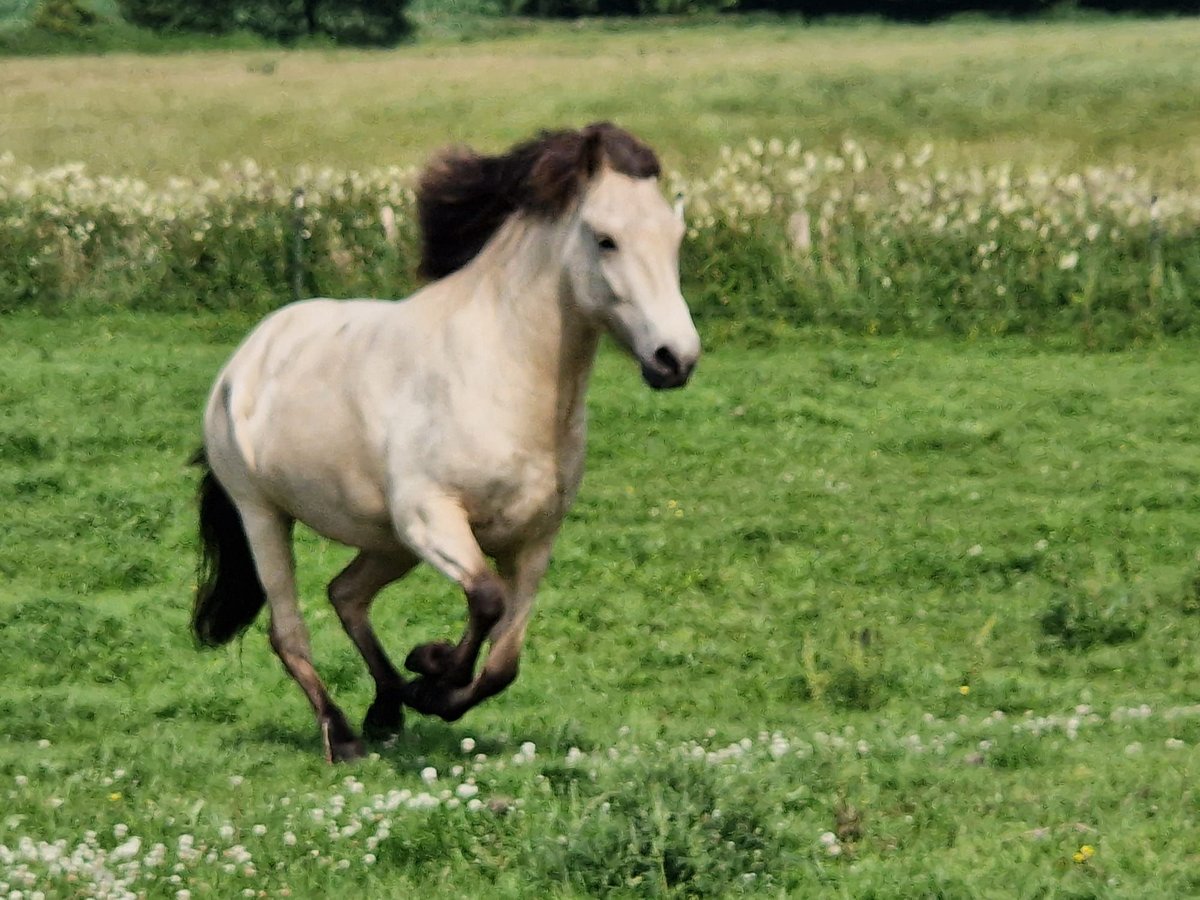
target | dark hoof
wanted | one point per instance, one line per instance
(432, 698)
(385, 717)
(433, 660)
(341, 745)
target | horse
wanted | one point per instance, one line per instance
(448, 428)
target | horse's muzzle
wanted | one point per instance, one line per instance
(666, 370)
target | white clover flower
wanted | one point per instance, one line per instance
(226, 832)
(429, 774)
(423, 801)
(259, 829)
(467, 790)
(127, 850)
(1068, 261)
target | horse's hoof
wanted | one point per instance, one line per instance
(385, 717)
(345, 752)
(431, 660)
(432, 698)
(341, 744)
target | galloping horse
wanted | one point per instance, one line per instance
(448, 428)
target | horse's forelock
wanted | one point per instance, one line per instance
(463, 197)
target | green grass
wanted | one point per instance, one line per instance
(1075, 93)
(937, 549)
(850, 616)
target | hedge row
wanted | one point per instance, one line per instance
(779, 237)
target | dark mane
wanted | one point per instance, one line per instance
(463, 197)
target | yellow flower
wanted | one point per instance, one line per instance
(964, 689)
(114, 796)
(1084, 853)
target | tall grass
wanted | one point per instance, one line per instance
(780, 237)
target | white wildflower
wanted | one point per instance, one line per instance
(129, 849)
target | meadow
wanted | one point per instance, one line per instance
(1069, 94)
(900, 597)
(937, 601)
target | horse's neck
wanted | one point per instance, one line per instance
(522, 275)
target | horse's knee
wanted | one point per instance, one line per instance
(486, 599)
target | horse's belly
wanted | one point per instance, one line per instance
(338, 506)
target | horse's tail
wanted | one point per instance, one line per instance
(230, 594)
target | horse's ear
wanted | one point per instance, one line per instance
(592, 152)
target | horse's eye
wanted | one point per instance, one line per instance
(605, 243)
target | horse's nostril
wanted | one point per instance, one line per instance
(665, 358)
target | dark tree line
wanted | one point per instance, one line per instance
(365, 22)
(900, 10)
(382, 22)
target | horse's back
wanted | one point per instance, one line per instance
(290, 418)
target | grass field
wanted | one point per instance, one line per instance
(937, 600)
(1072, 93)
(850, 616)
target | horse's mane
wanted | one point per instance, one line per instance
(463, 197)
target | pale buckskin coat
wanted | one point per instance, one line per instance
(447, 428)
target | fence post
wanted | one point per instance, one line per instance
(298, 273)
(1156, 267)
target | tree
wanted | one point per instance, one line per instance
(360, 22)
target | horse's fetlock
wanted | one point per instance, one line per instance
(432, 659)
(492, 680)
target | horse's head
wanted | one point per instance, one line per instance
(622, 249)
(623, 262)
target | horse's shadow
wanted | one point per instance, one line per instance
(423, 742)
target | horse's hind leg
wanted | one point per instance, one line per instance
(270, 536)
(351, 594)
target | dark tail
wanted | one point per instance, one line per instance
(230, 594)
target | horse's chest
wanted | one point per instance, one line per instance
(528, 500)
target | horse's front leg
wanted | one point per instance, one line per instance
(438, 696)
(440, 533)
